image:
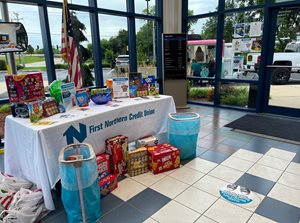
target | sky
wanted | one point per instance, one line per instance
(109, 25)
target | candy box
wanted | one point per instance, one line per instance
(103, 165)
(108, 184)
(147, 141)
(117, 147)
(163, 157)
(19, 110)
(35, 110)
(25, 87)
(137, 161)
(50, 107)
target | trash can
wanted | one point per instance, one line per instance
(183, 129)
(80, 189)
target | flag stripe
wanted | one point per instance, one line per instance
(69, 49)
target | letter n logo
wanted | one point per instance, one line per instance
(72, 133)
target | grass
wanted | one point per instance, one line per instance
(27, 59)
(34, 68)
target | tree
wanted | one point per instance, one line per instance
(83, 53)
(30, 49)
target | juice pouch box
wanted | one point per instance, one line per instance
(137, 161)
(163, 157)
(25, 87)
(103, 164)
(117, 147)
(108, 184)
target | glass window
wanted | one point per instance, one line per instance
(230, 4)
(114, 45)
(118, 5)
(242, 45)
(146, 46)
(31, 59)
(202, 6)
(146, 7)
(238, 94)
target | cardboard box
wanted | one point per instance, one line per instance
(137, 161)
(147, 141)
(163, 157)
(117, 147)
(19, 110)
(108, 184)
(35, 110)
(68, 92)
(25, 87)
(50, 107)
(103, 165)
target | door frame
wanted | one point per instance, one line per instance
(267, 55)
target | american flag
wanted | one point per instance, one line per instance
(69, 49)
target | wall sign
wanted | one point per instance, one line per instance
(174, 55)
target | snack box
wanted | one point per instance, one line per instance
(68, 92)
(103, 165)
(35, 110)
(50, 107)
(137, 161)
(142, 92)
(19, 110)
(147, 141)
(108, 184)
(117, 147)
(163, 157)
(25, 87)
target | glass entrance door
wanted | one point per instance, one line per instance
(283, 63)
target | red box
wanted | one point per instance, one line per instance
(163, 157)
(117, 147)
(108, 184)
(103, 164)
(25, 87)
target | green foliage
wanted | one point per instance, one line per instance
(2, 65)
(235, 96)
(87, 77)
(206, 93)
(5, 108)
(61, 66)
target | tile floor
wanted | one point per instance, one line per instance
(271, 169)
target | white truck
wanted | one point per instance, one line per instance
(284, 63)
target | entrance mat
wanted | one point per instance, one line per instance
(278, 127)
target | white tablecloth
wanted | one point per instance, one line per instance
(31, 152)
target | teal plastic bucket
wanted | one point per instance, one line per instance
(79, 180)
(183, 129)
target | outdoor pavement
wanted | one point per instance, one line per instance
(285, 96)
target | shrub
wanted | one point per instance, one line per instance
(61, 66)
(198, 92)
(236, 96)
(5, 108)
(2, 65)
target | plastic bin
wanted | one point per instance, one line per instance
(80, 189)
(183, 129)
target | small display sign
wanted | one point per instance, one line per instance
(236, 194)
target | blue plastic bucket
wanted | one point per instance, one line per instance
(79, 180)
(183, 129)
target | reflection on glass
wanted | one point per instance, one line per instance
(146, 7)
(242, 48)
(118, 5)
(285, 78)
(230, 4)
(77, 2)
(114, 46)
(146, 46)
(202, 6)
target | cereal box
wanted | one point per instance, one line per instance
(137, 161)
(117, 147)
(163, 157)
(50, 107)
(25, 87)
(108, 184)
(35, 111)
(103, 165)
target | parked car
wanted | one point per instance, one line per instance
(122, 63)
(290, 58)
